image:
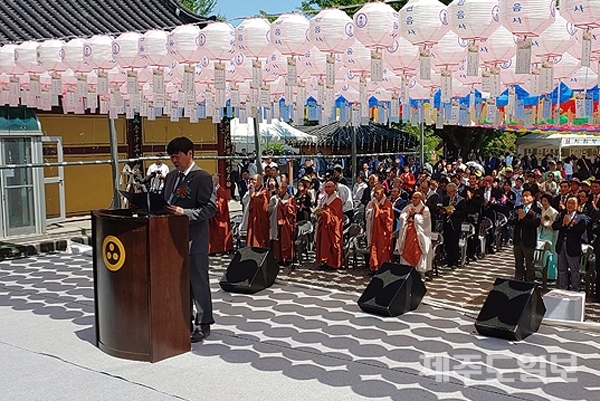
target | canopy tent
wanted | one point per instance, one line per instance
(242, 134)
(563, 144)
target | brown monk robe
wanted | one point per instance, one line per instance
(380, 214)
(329, 229)
(282, 216)
(221, 235)
(258, 216)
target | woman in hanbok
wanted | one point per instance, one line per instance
(414, 240)
(546, 233)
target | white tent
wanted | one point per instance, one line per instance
(563, 144)
(242, 134)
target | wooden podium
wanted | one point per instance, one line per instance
(141, 285)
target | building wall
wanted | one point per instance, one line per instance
(86, 138)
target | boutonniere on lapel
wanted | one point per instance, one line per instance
(573, 222)
(184, 191)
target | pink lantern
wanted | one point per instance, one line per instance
(240, 68)
(376, 25)
(331, 31)
(126, 50)
(434, 82)
(423, 22)
(459, 89)
(581, 13)
(565, 66)
(51, 54)
(555, 40)
(73, 56)
(473, 19)
(526, 18)
(274, 67)
(184, 44)
(508, 76)
(26, 56)
(357, 58)
(498, 48)
(97, 51)
(217, 41)
(575, 47)
(289, 34)
(391, 81)
(402, 56)
(7, 61)
(417, 91)
(465, 79)
(312, 63)
(584, 78)
(252, 38)
(154, 48)
(449, 52)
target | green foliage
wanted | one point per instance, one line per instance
(315, 5)
(273, 148)
(432, 141)
(200, 7)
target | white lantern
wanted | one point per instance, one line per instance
(154, 48)
(473, 19)
(7, 61)
(252, 38)
(459, 89)
(555, 40)
(289, 34)
(391, 81)
(584, 78)
(508, 76)
(217, 40)
(126, 50)
(376, 25)
(434, 82)
(449, 52)
(312, 63)
(565, 66)
(184, 44)
(240, 68)
(575, 47)
(416, 91)
(357, 58)
(331, 31)
(98, 52)
(51, 54)
(465, 79)
(73, 56)
(526, 18)
(498, 48)
(274, 67)
(26, 56)
(423, 22)
(402, 56)
(581, 13)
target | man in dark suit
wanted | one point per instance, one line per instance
(190, 192)
(570, 225)
(560, 201)
(244, 184)
(455, 212)
(491, 164)
(526, 220)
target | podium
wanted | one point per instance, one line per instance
(141, 285)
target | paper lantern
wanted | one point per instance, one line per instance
(402, 56)
(289, 34)
(449, 52)
(459, 89)
(312, 63)
(73, 56)
(555, 40)
(7, 61)
(565, 66)
(205, 71)
(217, 41)
(498, 48)
(240, 68)
(416, 91)
(252, 38)
(508, 76)
(154, 49)
(462, 76)
(51, 54)
(423, 22)
(390, 81)
(357, 58)
(274, 67)
(184, 44)
(331, 31)
(473, 19)
(584, 78)
(98, 52)
(581, 13)
(345, 89)
(126, 50)
(26, 56)
(575, 47)
(376, 25)
(526, 18)
(434, 82)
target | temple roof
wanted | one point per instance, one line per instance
(22, 20)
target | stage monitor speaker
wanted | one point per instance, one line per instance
(394, 290)
(250, 270)
(512, 310)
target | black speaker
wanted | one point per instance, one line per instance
(512, 310)
(394, 290)
(250, 270)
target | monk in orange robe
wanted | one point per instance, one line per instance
(379, 215)
(282, 215)
(330, 247)
(258, 215)
(221, 235)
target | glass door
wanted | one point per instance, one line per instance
(18, 187)
(54, 180)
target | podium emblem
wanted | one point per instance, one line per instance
(113, 253)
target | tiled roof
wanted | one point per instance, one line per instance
(22, 20)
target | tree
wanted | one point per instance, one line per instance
(314, 5)
(200, 7)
